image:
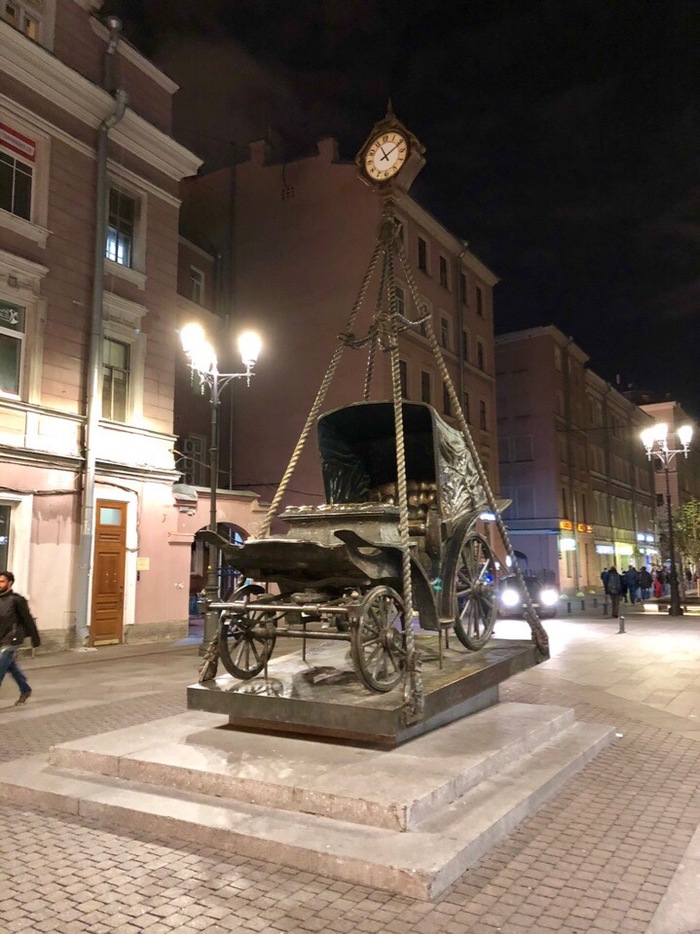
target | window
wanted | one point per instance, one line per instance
(196, 285)
(446, 402)
(523, 448)
(479, 302)
(444, 333)
(121, 228)
(444, 280)
(463, 288)
(557, 359)
(400, 300)
(480, 355)
(465, 407)
(403, 378)
(425, 386)
(482, 415)
(12, 334)
(17, 154)
(21, 16)
(564, 503)
(422, 255)
(115, 380)
(194, 461)
(465, 346)
(5, 515)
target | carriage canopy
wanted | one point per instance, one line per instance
(357, 446)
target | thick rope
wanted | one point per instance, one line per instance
(320, 396)
(539, 635)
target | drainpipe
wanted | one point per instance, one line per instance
(568, 409)
(94, 400)
(460, 319)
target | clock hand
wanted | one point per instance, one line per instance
(385, 155)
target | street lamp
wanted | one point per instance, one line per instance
(202, 360)
(655, 440)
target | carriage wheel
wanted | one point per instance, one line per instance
(475, 592)
(246, 641)
(378, 643)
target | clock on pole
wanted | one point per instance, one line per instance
(391, 156)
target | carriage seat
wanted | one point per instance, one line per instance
(422, 494)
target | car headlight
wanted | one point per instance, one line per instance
(510, 597)
(549, 597)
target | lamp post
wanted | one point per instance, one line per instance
(655, 440)
(202, 361)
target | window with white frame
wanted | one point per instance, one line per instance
(196, 285)
(12, 337)
(23, 16)
(5, 515)
(121, 227)
(115, 380)
(400, 300)
(17, 157)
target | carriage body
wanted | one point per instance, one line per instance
(341, 563)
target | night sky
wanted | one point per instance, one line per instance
(562, 139)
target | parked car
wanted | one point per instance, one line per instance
(511, 598)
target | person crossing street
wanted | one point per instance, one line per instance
(16, 624)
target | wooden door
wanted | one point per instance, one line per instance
(107, 624)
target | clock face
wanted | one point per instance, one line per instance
(385, 156)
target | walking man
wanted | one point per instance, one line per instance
(613, 587)
(16, 623)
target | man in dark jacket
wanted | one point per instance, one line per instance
(613, 587)
(645, 582)
(16, 624)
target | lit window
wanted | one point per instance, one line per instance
(17, 155)
(443, 272)
(21, 16)
(115, 380)
(196, 285)
(425, 386)
(479, 302)
(121, 228)
(12, 334)
(422, 255)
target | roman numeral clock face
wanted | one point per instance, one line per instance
(385, 156)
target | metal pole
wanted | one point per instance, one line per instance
(675, 608)
(211, 618)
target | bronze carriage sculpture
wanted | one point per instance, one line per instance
(339, 568)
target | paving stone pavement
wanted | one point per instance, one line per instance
(617, 850)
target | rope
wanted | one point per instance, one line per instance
(539, 635)
(320, 396)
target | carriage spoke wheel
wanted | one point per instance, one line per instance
(378, 643)
(246, 641)
(475, 593)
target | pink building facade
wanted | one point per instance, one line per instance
(571, 462)
(296, 238)
(54, 71)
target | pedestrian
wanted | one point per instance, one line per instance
(631, 576)
(645, 582)
(658, 586)
(16, 624)
(623, 587)
(604, 578)
(614, 589)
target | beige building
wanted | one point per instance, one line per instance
(572, 463)
(296, 239)
(88, 342)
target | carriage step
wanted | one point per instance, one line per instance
(445, 834)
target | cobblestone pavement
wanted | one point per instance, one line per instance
(597, 858)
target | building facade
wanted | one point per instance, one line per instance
(297, 238)
(571, 462)
(88, 315)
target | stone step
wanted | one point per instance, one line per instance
(192, 752)
(419, 863)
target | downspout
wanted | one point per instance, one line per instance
(461, 304)
(568, 408)
(94, 400)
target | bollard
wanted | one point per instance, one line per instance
(621, 624)
(595, 603)
(583, 605)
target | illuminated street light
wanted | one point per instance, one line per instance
(655, 440)
(202, 360)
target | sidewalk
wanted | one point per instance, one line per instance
(617, 850)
